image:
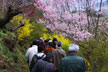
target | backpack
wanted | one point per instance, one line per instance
(34, 60)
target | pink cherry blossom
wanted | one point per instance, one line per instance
(59, 15)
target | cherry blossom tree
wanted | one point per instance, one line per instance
(75, 19)
(65, 16)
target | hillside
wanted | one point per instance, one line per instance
(12, 57)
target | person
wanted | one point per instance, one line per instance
(54, 42)
(46, 42)
(36, 41)
(49, 48)
(58, 54)
(41, 42)
(38, 56)
(32, 51)
(44, 65)
(73, 62)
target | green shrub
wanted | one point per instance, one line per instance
(38, 31)
(2, 34)
(65, 47)
(96, 52)
(11, 35)
(6, 34)
(15, 61)
(12, 55)
(1, 48)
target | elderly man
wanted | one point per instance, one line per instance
(73, 62)
(58, 54)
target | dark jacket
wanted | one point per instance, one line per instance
(43, 66)
(36, 57)
(72, 63)
(54, 45)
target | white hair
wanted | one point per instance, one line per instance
(74, 47)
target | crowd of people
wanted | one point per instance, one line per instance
(48, 56)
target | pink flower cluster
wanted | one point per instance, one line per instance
(59, 16)
(84, 35)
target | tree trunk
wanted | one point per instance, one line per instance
(97, 23)
(9, 15)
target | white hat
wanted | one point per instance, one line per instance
(50, 40)
(74, 47)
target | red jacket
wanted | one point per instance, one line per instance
(49, 49)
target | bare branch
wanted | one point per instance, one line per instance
(21, 25)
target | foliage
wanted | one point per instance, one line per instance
(37, 32)
(65, 47)
(25, 31)
(8, 38)
(1, 48)
(96, 53)
(6, 34)
(2, 34)
(11, 61)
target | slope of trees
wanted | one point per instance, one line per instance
(77, 20)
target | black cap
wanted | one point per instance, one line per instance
(54, 39)
(47, 40)
(35, 42)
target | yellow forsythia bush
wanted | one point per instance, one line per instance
(24, 31)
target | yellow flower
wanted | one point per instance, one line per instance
(23, 31)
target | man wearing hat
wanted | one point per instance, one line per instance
(73, 62)
(54, 42)
(58, 54)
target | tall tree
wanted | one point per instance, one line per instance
(76, 19)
